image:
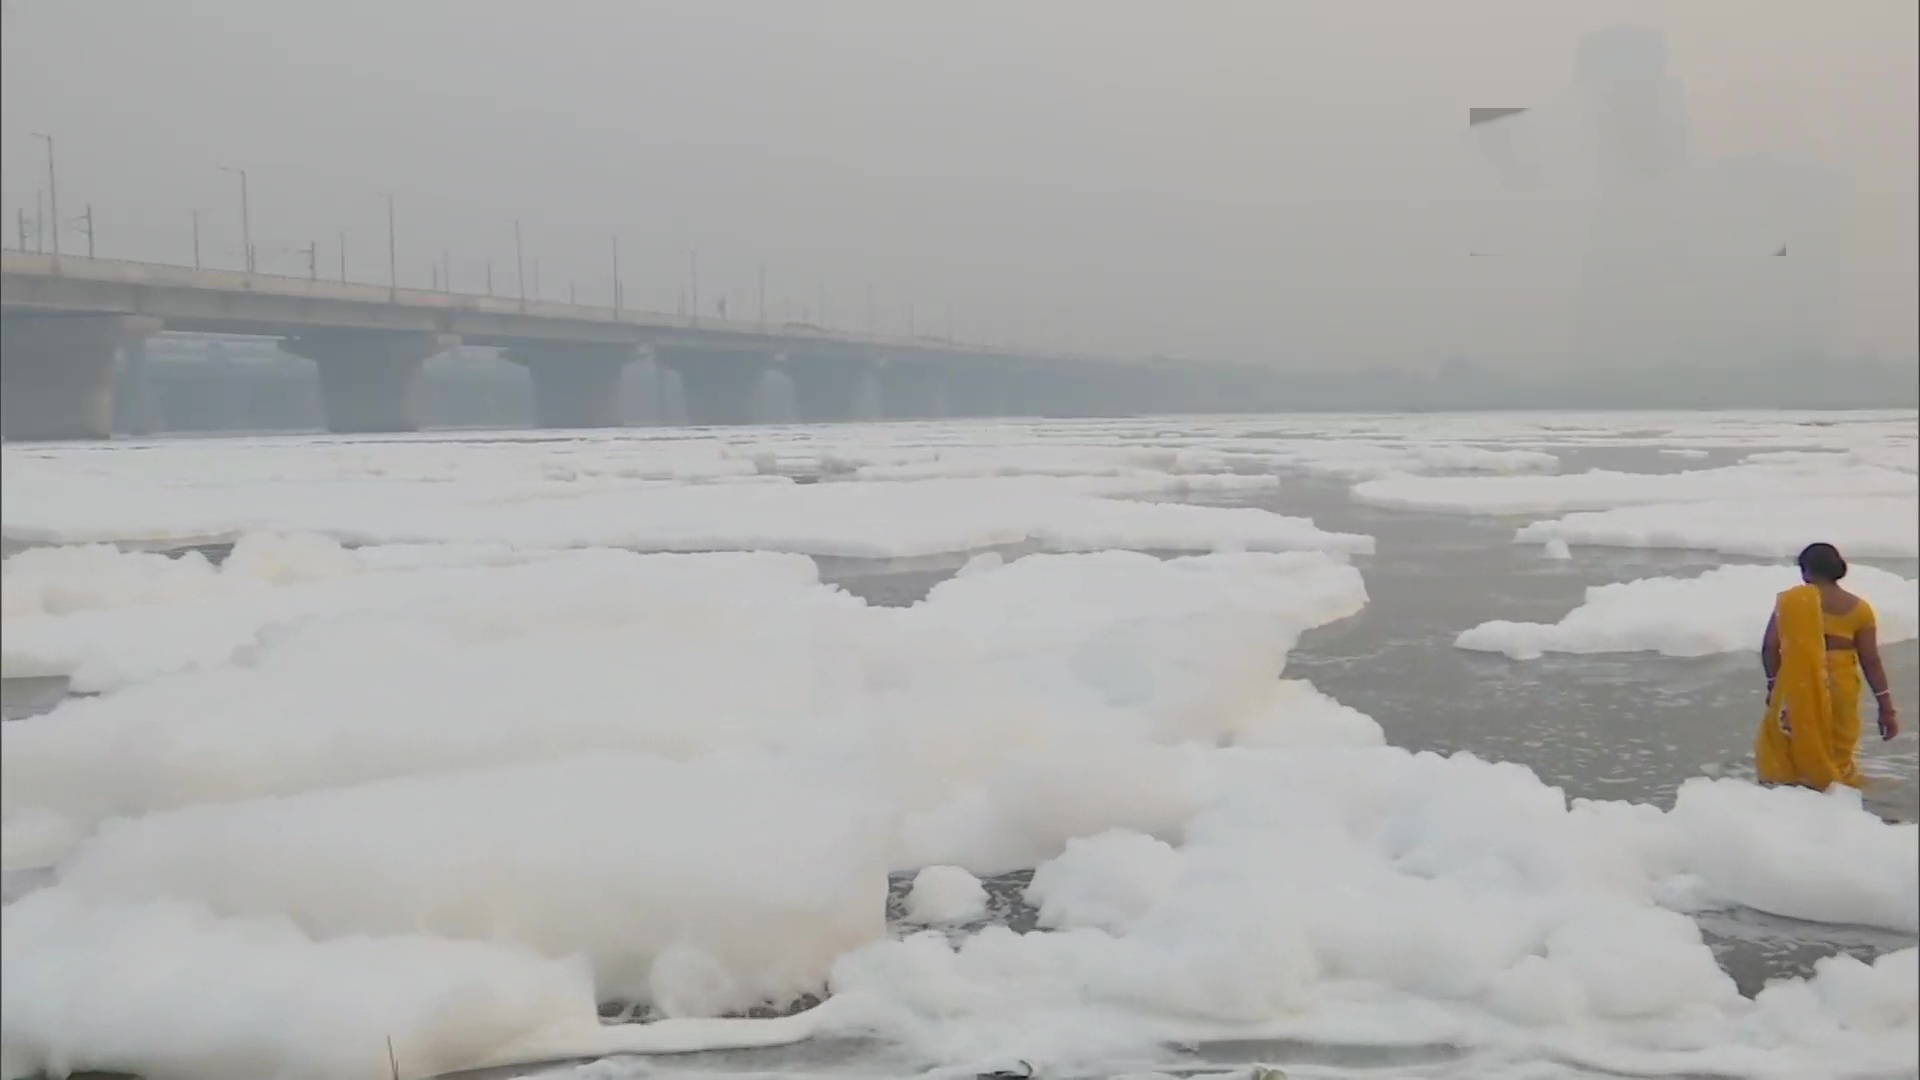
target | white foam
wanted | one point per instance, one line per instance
(107, 619)
(1799, 853)
(944, 895)
(1876, 527)
(619, 857)
(168, 990)
(1326, 894)
(1350, 459)
(1107, 881)
(1846, 996)
(624, 494)
(453, 795)
(1020, 667)
(1601, 489)
(1722, 610)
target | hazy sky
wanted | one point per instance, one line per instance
(1268, 180)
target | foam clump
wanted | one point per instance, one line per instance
(108, 619)
(1473, 903)
(55, 581)
(1603, 489)
(735, 512)
(1006, 680)
(1106, 881)
(166, 989)
(1846, 994)
(1359, 459)
(1799, 853)
(1722, 610)
(769, 873)
(945, 895)
(1865, 527)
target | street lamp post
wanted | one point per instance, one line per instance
(615, 241)
(246, 218)
(53, 197)
(519, 264)
(693, 284)
(196, 239)
(393, 258)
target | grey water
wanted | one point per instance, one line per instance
(1615, 726)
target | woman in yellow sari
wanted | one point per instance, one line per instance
(1818, 643)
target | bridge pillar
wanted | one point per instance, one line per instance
(1169, 390)
(576, 385)
(370, 379)
(983, 389)
(134, 396)
(56, 373)
(830, 387)
(719, 387)
(1126, 391)
(914, 390)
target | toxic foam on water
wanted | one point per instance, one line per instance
(1722, 610)
(455, 796)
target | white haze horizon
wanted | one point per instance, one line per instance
(1295, 187)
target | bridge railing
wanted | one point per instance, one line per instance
(171, 275)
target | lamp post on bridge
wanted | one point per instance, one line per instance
(246, 219)
(615, 240)
(519, 264)
(693, 285)
(393, 257)
(53, 197)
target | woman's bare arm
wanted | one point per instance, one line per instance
(1770, 649)
(1866, 644)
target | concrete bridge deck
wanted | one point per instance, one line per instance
(66, 317)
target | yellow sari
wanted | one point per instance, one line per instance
(1813, 715)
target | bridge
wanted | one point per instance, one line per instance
(66, 319)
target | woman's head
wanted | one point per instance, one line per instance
(1822, 562)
